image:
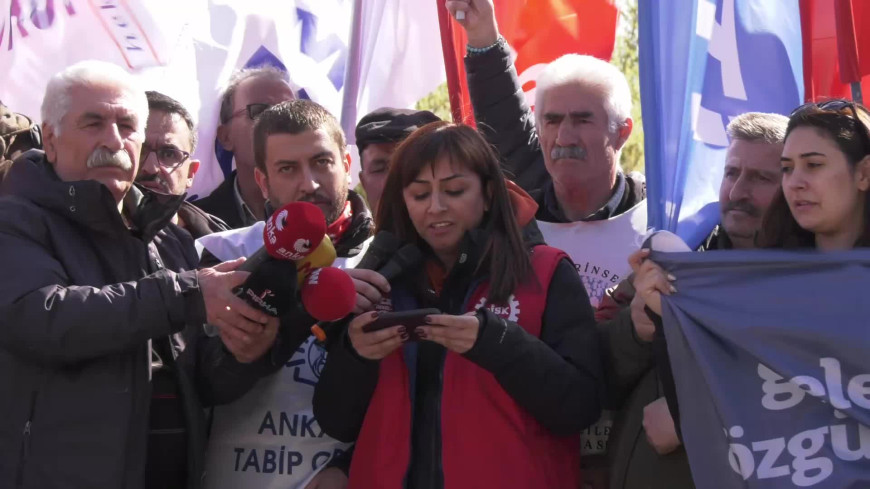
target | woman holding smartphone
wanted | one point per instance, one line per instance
(492, 392)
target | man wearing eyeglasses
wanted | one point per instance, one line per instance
(165, 163)
(238, 200)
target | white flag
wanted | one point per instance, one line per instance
(187, 49)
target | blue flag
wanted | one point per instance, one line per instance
(770, 352)
(703, 62)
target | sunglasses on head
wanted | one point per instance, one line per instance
(253, 111)
(841, 107)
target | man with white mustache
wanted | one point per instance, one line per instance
(566, 155)
(104, 373)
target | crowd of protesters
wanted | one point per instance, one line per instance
(530, 375)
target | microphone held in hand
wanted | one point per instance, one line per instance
(406, 258)
(271, 288)
(397, 262)
(291, 233)
(328, 294)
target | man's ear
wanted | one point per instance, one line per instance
(223, 136)
(623, 132)
(191, 172)
(49, 142)
(262, 181)
(347, 161)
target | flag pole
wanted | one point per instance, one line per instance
(454, 87)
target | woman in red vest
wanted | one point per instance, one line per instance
(493, 392)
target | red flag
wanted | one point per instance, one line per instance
(539, 31)
(836, 39)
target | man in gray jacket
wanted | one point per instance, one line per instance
(89, 304)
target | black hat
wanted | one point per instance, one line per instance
(387, 125)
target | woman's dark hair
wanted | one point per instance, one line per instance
(505, 256)
(848, 125)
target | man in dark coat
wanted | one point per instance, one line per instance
(166, 165)
(99, 295)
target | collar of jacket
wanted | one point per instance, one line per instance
(88, 202)
(361, 228)
(717, 240)
(199, 223)
(630, 191)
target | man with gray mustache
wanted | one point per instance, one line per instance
(101, 305)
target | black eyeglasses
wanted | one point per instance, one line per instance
(169, 158)
(253, 110)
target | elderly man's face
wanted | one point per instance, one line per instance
(100, 138)
(580, 148)
(164, 168)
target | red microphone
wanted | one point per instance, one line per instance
(328, 294)
(291, 233)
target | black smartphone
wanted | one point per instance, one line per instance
(409, 319)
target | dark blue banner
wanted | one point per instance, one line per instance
(771, 356)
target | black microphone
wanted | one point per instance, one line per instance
(382, 246)
(271, 288)
(380, 250)
(408, 256)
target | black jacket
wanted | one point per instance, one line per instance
(222, 203)
(566, 355)
(199, 223)
(87, 295)
(505, 120)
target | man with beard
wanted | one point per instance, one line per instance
(269, 437)
(101, 293)
(166, 165)
(646, 451)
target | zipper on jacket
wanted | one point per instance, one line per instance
(25, 442)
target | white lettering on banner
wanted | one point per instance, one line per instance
(123, 27)
(24, 14)
(849, 440)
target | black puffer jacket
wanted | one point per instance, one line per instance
(81, 297)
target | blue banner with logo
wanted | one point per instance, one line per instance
(703, 62)
(770, 353)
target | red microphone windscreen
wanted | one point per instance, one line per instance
(294, 231)
(328, 294)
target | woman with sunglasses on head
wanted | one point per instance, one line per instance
(823, 202)
(492, 392)
(825, 180)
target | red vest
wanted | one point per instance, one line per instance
(487, 439)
